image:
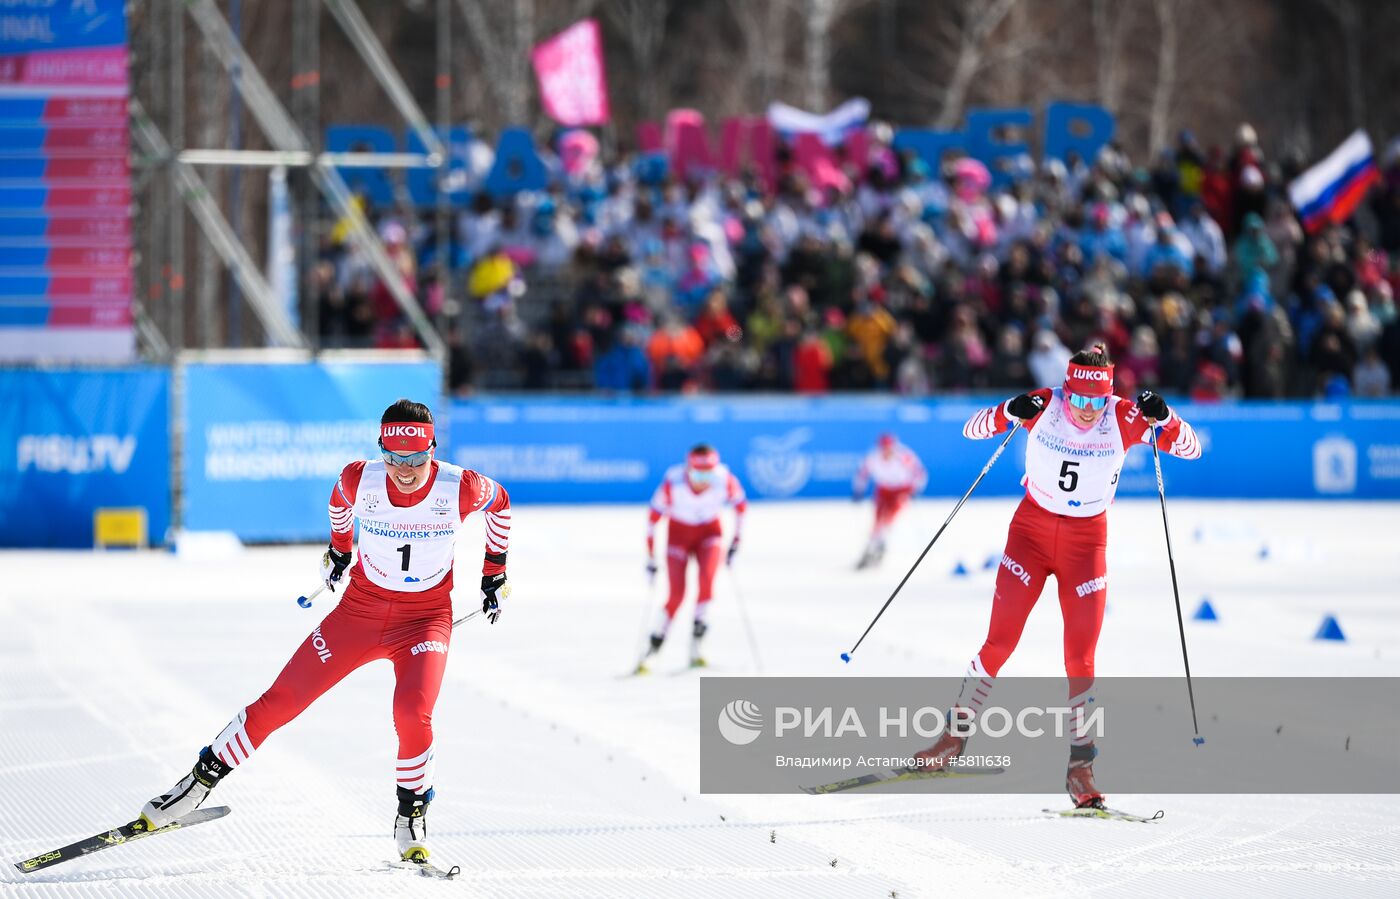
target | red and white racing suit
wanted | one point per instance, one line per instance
(1061, 528)
(693, 530)
(897, 476)
(396, 605)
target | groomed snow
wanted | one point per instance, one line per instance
(558, 777)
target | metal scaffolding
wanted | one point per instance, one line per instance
(159, 49)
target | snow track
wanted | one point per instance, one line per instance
(556, 777)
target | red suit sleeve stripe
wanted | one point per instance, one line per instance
(984, 424)
(342, 505)
(497, 531)
(1185, 444)
(479, 493)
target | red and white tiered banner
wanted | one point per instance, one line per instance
(65, 185)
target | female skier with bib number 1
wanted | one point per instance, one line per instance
(1078, 437)
(397, 605)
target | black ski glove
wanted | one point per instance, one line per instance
(1025, 406)
(333, 565)
(1153, 406)
(494, 588)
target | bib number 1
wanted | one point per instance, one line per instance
(404, 551)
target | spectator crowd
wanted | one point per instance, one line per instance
(892, 277)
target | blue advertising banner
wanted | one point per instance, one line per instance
(26, 27)
(589, 450)
(75, 441)
(265, 443)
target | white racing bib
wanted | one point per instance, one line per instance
(408, 549)
(899, 471)
(1071, 471)
(688, 507)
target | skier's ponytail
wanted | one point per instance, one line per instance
(1096, 355)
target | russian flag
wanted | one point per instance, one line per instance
(832, 128)
(1327, 193)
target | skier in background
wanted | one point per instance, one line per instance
(692, 496)
(898, 474)
(397, 605)
(1078, 437)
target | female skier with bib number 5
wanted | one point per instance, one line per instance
(1078, 437)
(397, 605)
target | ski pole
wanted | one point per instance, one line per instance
(846, 656)
(744, 615)
(646, 608)
(305, 601)
(1176, 593)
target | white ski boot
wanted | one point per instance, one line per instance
(411, 825)
(1079, 779)
(872, 556)
(697, 633)
(656, 641)
(188, 794)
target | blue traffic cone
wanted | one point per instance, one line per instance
(990, 564)
(960, 570)
(1330, 630)
(1206, 612)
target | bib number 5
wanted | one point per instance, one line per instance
(1069, 476)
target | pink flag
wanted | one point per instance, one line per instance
(570, 68)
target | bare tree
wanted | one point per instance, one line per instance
(643, 26)
(763, 32)
(1348, 18)
(1014, 79)
(969, 32)
(965, 37)
(1159, 119)
(1110, 21)
(820, 17)
(555, 15)
(502, 33)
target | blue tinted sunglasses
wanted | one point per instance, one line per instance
(411, 459)
(1087, 402)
